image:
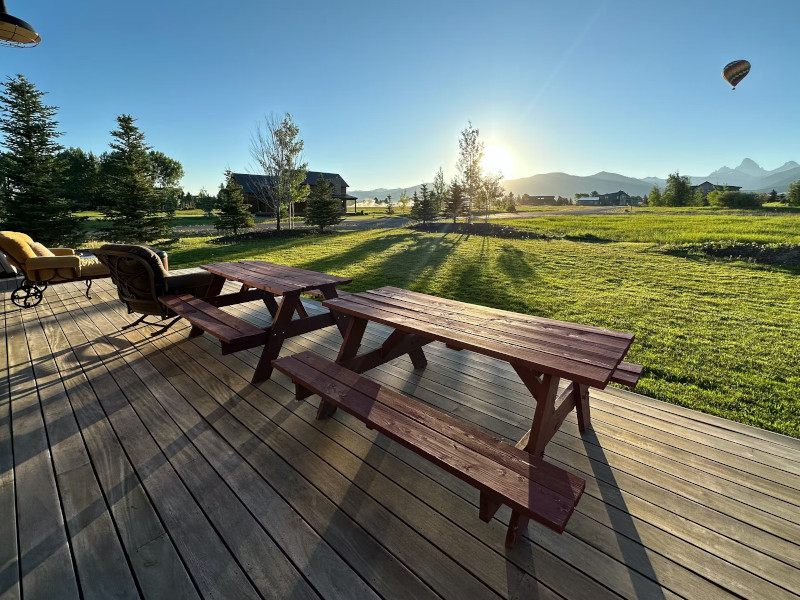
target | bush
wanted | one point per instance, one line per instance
(730, 199)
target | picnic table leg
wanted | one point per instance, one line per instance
(352, 341)
(581, 394)
(544, 391)
(271, 304)
(277, 333)
(214, 289)
(517, 525)
(329, 293)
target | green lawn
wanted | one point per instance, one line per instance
(671, 226)
(718, 336)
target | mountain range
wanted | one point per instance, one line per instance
(748, 175)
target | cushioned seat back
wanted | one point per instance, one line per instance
(17, 246)
(138, 274)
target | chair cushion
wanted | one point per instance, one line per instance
(17, 246)
(195, 284)
(41, 249)
(142, 252)
(91, 267)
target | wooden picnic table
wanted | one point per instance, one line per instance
(541, 351)
(260, 281)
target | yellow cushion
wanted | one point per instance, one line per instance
(91, 267)
(17, 246)
(41, 249)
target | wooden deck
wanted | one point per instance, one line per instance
(136, 466)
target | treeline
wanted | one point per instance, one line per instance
(678, 192)
(42, 184)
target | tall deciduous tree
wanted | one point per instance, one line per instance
(470, 154)
(440, 191)
(133, 206)
(30, 169)
(277, 149)
(677, 191)
(404, 200)
(206, 202)
(322, 209)
(234, 214)
(654, 197)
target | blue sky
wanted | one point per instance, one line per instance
(382, 90)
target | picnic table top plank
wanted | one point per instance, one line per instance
(274, 278)
(518, 323)
(490, 312)
(556, 344)
(564, 366)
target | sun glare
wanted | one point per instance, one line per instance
(498, 159)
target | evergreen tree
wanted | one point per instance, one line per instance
(424, 208)
(454, 206)
(773, 196)
(234, 214)
(322, 209)
(80, 178)
(30, 169)
(793, 194)
(133, 206)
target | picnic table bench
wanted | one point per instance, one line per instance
(259, 281)
(504, 474)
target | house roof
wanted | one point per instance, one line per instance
(719, 186)
(252, 183)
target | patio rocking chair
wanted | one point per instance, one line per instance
(141, 279)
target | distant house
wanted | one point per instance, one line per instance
(538, 200)
(254, 186)
(619, 198)
(707, 187)
(588, 201)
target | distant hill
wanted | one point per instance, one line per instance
(562, 184)
(749, 175)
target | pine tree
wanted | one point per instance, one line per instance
(234, 214)
(133, 205)
(424, 208)
(322, 209)
(30, 169)
(454, 206)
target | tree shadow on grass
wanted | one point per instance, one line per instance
(475, 278)
(415, 262)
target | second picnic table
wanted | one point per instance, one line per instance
(260, 281)
(541, 351)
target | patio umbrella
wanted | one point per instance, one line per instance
(16, 32)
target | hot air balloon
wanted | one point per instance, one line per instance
(735, 71)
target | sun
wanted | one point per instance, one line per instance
(498, 159)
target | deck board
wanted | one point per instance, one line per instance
(138, 466)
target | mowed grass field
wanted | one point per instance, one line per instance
(718, 336)
(671, 226)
